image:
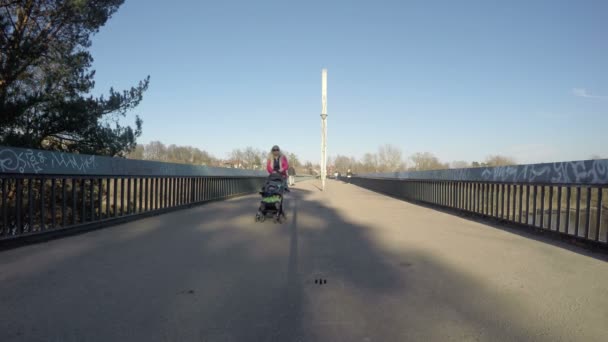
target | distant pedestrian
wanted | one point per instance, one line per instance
(292, 175)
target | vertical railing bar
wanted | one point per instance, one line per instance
(488, 199)
(527, 204)
(507, 217)
(514, 217)
(542, 206)
(18, 204)
(53, 204)
(178, 196)
(5, 207)
(599, 215)
(100, 199)
(491, 213)
(480, 198)
(166, 192)
(146, 197)
(521, 203)
(174, 192)
(534, 204)
(559, 209)
(64, 195)
(207, 188)
(473, 198)
(578, 209)
(141, 195)
(115, 195)
(550, 220)
(165, 187)
(30, 204)
(462, 196)
(74, 199)
(129, 209)
(108, 197)
(161, 191)
(194, 188)
(481, 202)
(502, 201)
(122, 196)
(468, 194)
(42, 203)
(492, 208)
(92, 199)
(157, 193)
(83, 191)
(180, 189)
(588, 214)
(476, 197)
(200, 189)
(135, 195)
(151, 190)
(568, 200)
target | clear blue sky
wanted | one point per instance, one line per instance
(462, 79)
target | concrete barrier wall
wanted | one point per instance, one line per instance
(29, 161)
(590, 172)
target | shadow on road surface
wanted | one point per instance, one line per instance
(211, 274)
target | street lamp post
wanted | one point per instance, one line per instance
(323, 127)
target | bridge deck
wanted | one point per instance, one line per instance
(395, 272)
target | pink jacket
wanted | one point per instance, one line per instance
(284, 165)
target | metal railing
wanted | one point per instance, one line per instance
(569, 198)
(46, 192)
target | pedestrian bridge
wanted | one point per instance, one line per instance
(380, 258)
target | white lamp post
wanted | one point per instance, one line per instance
(323, 127)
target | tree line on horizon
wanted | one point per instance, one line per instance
(390, 158)
(243, 158)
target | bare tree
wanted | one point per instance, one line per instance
(460, 164)
(308, 168)
(252, 158)
(137, 153)
(390, 158)
(293, 159)
(427, 161)
(498, 160)
(155, 150)
(370, 163)
(237, 158)
(342, 163)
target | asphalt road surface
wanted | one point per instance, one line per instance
(348, 265)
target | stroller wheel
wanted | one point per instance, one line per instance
(259, 217)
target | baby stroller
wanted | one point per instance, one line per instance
(272, 199)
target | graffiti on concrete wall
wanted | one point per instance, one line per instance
(575, 172)
(29, 161)
(36, 162)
